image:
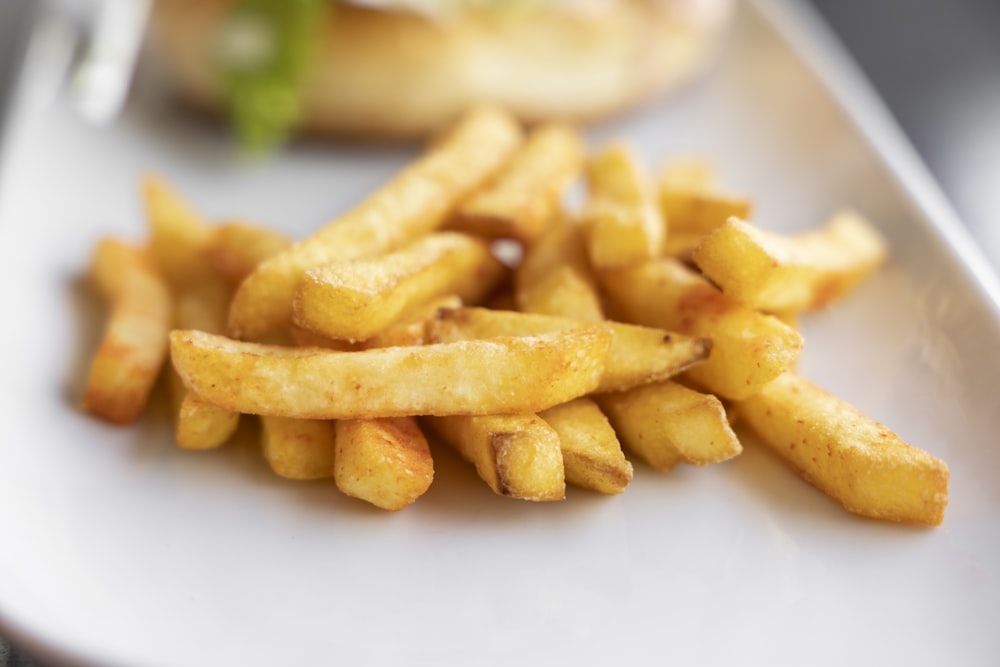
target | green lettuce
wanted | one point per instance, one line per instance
(265, 51)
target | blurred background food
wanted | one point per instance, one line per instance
(405, 68)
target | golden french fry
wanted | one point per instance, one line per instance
(772, 272)
(666, 423)
(417, 201)
(691, 204)
(134, 345)
(179, 240)
(637, 354)
(357, 300)
(622, 222)
(299, 448)
(749, 349)
(385, 462)
(518, 456)
(177, 233)
(592, 455)
(201, 425)
(857, 461)
(555, 278)
(525, 194)
(498, 376)
(236, 248)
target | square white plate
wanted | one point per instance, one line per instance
(118, 549)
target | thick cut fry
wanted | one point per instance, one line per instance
(637, 355)
(666, 423)
(134, 344)
(592, 455)
(517, 456)
(768, 271)
(299, 448)
(201, 425)
(498, 376)
(857, 461)
(385, 462)
(555, 278)
(749, 349)
(177, 232)
(236, 248)
(526, 193)
(417, 201)
(357, 300)
(691, 203)
(179, 240)
(623, 224)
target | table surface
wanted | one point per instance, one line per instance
(936, 65)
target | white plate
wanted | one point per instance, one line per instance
(118, 549)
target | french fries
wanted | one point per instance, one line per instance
(236, 248)
(855, 460)
(776, 273)
(666, 423)
(386, 462)
(179, 239)
(134, 344)
(357, 300)
(518, 456)
(527, 191)
(555, 278)
(638, 355)
(611, 358)
(500, 376)
(201, 425)
(415, 202)
(592, 455)
(299, 448)
(690, 202)
(623, 224)
(179, 235)
(749, 348)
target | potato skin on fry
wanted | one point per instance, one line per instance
(134, 345)
(500, 376)
(855, 460)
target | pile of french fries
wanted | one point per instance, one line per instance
(643, 324)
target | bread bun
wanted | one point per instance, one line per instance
(390, 74)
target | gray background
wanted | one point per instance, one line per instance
(936, 63)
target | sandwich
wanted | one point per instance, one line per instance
(401, 69)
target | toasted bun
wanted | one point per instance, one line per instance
(396, 75)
